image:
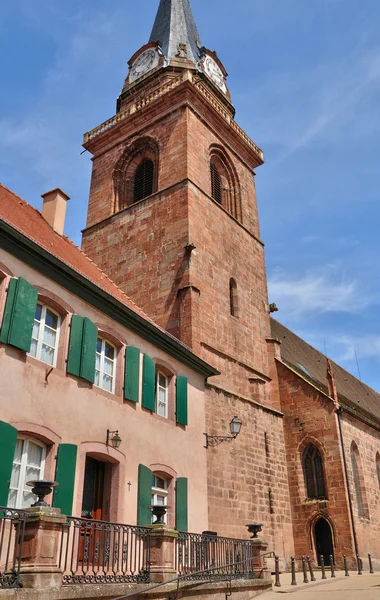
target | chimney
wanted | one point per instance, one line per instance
(54, 209)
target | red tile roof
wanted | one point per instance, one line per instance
(28, 220)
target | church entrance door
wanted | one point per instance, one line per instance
(323, 541)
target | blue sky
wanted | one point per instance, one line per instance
(305, 80)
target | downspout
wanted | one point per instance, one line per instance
(339, 412)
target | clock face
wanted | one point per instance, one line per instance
(213, 70)
(143, 63)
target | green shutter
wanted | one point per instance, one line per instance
(132, 374)
(8, 438)
(181, 396)
(90, 338)
(75, 345)
(144, 515)
(181, 504)
(82, 348)
(65, 476)
(7, 317)
(149, 383)
(19, 314)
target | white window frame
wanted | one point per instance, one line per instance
(158, 387)
(101, 370)
(162, 492)
(40, 341)
(23, 465)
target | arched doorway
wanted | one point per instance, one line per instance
(323, 541)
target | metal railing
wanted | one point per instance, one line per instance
(100, 552)
(197, 554)
(12, 534)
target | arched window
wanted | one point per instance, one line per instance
(224, 182)
(378, 467)
(314, 475)
(355, 459)
(105, 366)
(216, 184)
(45, 336)
(143, 183)
(233, 298)
(136, 173)
(28, 465)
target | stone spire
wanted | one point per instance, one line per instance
(175, 26)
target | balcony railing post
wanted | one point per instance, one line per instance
(41, 547)
(259, 547)
(162, 553)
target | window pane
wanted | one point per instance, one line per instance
(38, 312)
(97, 378)
(162, 380)
(108, 366)
(107, 383)
(12, 498)
(15, 478)
(33, 348)
(50, 337)
(161, 409)
(36, 330)
(109, 351)
(34, 455)
(99, 345)
(161, 500)
(19, 450)
(32, 474)
(51, 320)
(160, 483)
(47, 355)
(97, 362)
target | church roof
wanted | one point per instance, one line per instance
(29, 222)
(311, 364)
(175, 25)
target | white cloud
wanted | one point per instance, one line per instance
(316, 292)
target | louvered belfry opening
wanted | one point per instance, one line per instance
(314, 476)
(144, 178)
(216, 184)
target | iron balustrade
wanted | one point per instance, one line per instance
(200, 555)
(12, 534)
(101, 552)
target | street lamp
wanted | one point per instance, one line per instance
(113, 439)
(215, 440)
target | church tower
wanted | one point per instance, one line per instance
(173, 220)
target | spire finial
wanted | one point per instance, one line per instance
(176, 30)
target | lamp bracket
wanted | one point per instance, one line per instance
(110, 434)
(215, 440)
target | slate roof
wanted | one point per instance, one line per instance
(28, 221)
(312, 365)
(175, 25)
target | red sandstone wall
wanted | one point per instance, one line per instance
(311, 417)
(241, 474)
(368, 443)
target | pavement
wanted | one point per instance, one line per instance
(354, 587)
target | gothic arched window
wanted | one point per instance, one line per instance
(216, 184)
(136, 173)
(314, 475)
(143, 182)
(224, 182)
(355, 463)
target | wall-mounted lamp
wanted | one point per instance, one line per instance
(215, 440)
(113, 439)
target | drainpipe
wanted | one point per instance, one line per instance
(339, 412)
